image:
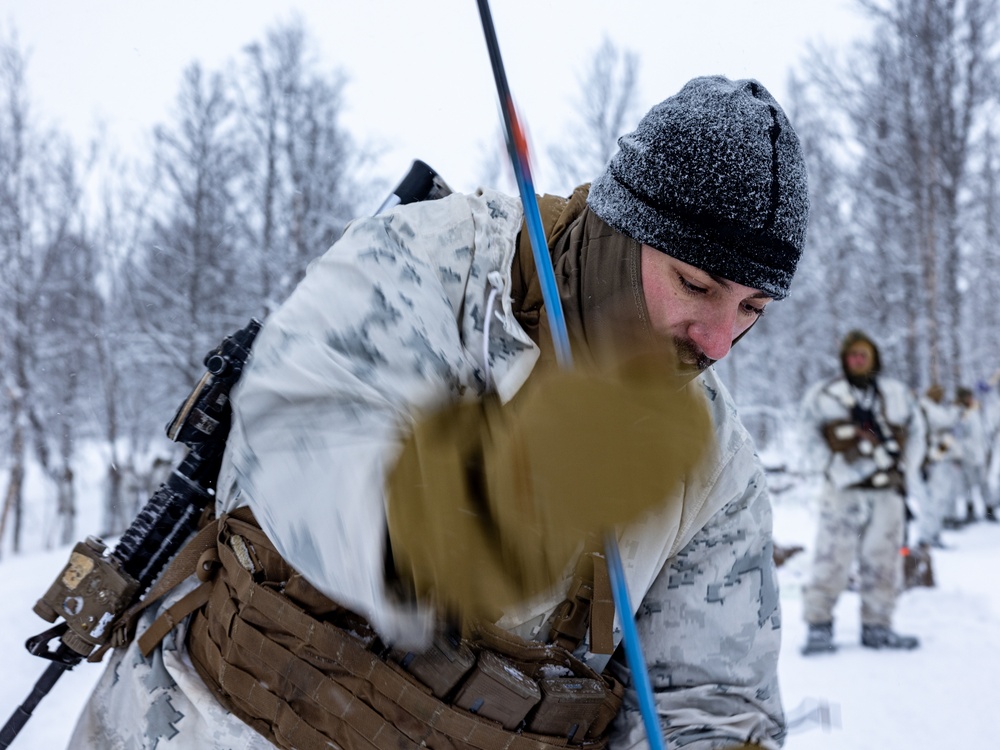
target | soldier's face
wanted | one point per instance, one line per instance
(701, 312)
(859, 359)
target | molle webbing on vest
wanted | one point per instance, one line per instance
(306, 673)
(589, 602)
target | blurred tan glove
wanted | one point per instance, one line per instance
(489, 504)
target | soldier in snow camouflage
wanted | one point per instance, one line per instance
(866, 433)
(405, 388)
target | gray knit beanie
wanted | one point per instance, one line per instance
(713, 176)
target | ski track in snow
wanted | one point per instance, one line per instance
(942, 695)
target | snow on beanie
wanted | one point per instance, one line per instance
(713, 176)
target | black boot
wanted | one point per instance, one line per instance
(952, 523)
(991, 514)
(819, 640)
(881, 636)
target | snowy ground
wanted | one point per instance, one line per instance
(940, 696)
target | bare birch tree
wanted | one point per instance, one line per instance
(605, 107)
(186, 278)
(39, 200)
(299, 191)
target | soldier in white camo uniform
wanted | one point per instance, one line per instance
(696, 225)
(940, 469)
(970, 434)
(866, 434)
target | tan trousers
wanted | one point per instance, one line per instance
(866, 525)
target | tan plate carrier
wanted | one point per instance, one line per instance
(307, 673)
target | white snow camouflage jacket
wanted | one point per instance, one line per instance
(970, 432)
(833, 400)
(318, 415)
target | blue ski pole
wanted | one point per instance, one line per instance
(517, 147)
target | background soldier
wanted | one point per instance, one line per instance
(970, 432)
(866, 434)
(940, 467)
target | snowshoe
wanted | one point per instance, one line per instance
(819, 640)
(880, 636)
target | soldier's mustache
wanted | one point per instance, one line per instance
(689, 353)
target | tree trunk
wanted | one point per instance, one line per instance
(66, 488)
(13, 499)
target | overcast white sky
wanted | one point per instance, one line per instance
(420, 83)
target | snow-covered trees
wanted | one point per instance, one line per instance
(188, 285)
(109, 299)
(917, 104)
(298, 190)
(605, 109)
(899, 134)
(39, 296)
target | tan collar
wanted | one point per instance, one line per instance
(598, 273)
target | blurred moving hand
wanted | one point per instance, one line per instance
(489, 504)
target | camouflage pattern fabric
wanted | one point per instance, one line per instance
(941, 469)
(863, 524)
(944, 483)
(158, 702)
(866, 525)
(400, 303)
(970, 433)
(709, 625)
(833, 400)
